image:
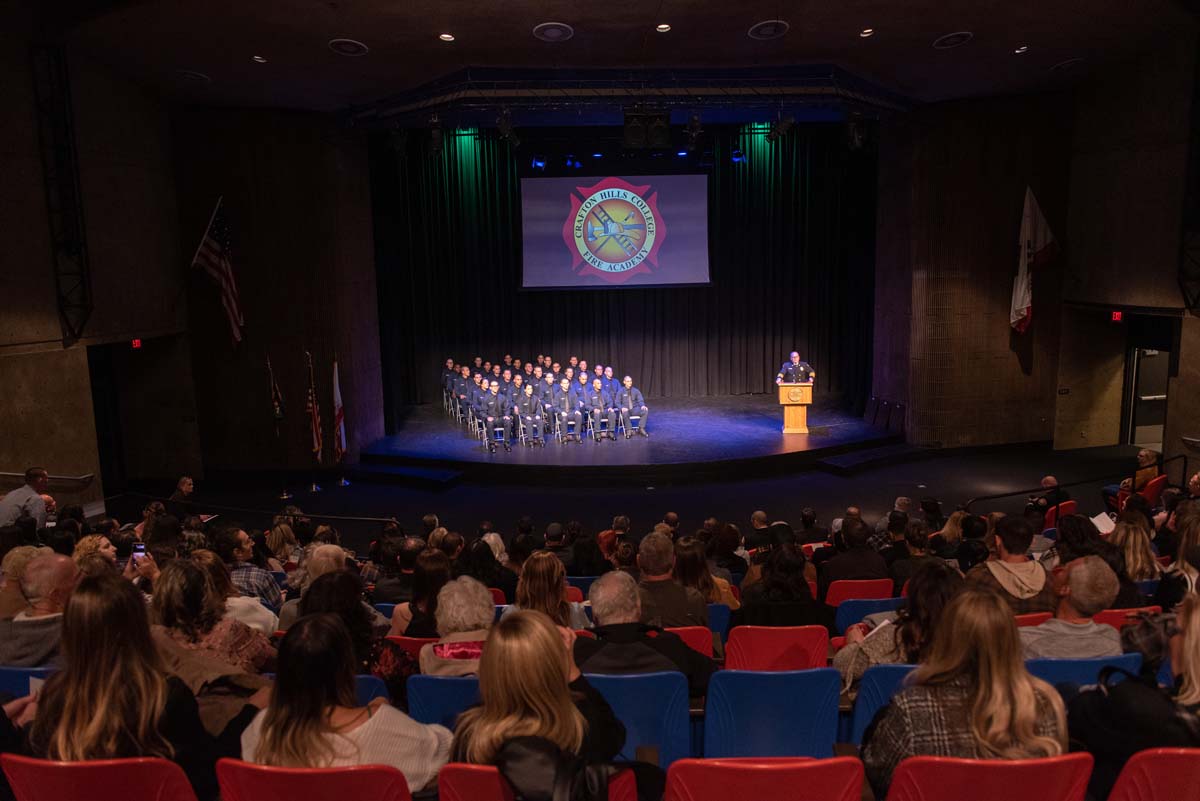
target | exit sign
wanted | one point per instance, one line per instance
(1116, 316)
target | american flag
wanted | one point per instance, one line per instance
(339, 418)
(213, 255)
(313, 407)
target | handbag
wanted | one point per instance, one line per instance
(539, 770)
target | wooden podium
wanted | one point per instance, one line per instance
(795, 400)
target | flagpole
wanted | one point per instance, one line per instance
(284, 495)
(312, 416)
(342, 482)
(207, 228)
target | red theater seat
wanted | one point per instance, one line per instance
(242, 781)
(858, 590)
(698, 638)
(460, 782)
(412, 645)
(142, 779)
(1055, 512)
(575, 595)
(1060, 778)
(1158, 774)
(777, 648)
(498, 596)
(1033, 619)
(760, 778)
(1120, 618)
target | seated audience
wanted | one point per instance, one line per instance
(1023, 583)
(666, 602)
(235, 548)
(543, 588)
(810, 532)
(556, 543)
(625, 559)
(450, 543)
(586, 557)
(858, 562)
(894, 549)
(32, 637)
(520, 549)
(315, 721)
(931, 513)
(13, 567)
(397, 560)
(692, 570)
(479, 562)
(237, 606)
(723, 546)
(879, 538)
(282, 547)
(327, 559)
(186, 604)
(1084, 586)
(150, 512)
(464, 616)
(624, 644)
(971, 697)
(1079, 537)
(916, 554)
(496, 543)
(94, 544)
(907, 638)
(1188, 529)
(782, 596)
(112, 697)
(759, 535)
(1147, 470)
(418, 617)
(27, 500)
(340, 593)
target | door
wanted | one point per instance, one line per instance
(1148, 399)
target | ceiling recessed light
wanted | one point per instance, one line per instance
(865, 32)
(553, 31)
(446, 37)
(259, 59)
(768, 29)
(1022, 49)
(950, 40)
(662, 27)
(1066, 65)
(348, 47)
(192, 76)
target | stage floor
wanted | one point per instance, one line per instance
(721, 432)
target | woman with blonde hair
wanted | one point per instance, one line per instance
(543, 588)
(951, 533)
(1187, 526)
(1132, 537)
(691, 570)
(282, 543)
(314, 720)
(237, 606)
(971, 698)
(112, 698)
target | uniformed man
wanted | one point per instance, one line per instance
(529, 407)
(610, 383)
(600, 405)
(566, 410)
(475, 397)
(598, 372)
(516, 366)
(583, 391)
(573, 362)
(515, 392)
(630, 401)
(529, 368)
(795, 371)
(495, 372)
(507, 361)
(536, 379)
(506, 383)
(555, 371)
(569, 374)
(461, 388)
(582, 369)
(495, 415)
(478, 365)
(449, 373)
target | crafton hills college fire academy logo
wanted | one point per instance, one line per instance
(614, 230)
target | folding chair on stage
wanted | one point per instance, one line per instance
(633, 426)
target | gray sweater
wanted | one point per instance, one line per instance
(30, 641)
(1058, 639)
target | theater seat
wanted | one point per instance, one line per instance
(698, 638)
(847, 590)
(1033, 619)
(789, 713)
(385, 610)
(440, 699)
(719, 616)
(777, 648)
(1120, 618)
(654, 709)
(1159, 774)
(584, 583)
(141, 779)
(16, 680)
(412, 645)
(762, 778)
(1056, 513)
(242, 781)
(461, 782)
(853, 611)
(925, 778)
(1080, 671)
(879, 683)
(498, 596)
(574, 595)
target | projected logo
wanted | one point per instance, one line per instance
(614, 230)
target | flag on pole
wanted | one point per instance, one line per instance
(339, 419)
(276, 398)
(214, 256)
(1036, 248)
(313, 407)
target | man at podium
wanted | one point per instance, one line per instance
(795, 371)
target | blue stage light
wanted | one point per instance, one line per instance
(737, 155)
(597, 155)
(539, 163)
(681, 153)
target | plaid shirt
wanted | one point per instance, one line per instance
(933, 720)
(1044, 601)
(256, 583)
(879, 540)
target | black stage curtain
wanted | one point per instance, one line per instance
(791, 244)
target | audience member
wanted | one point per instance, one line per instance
(587, 559)
(94, 544)
(810, 532)
(496, 543)
(907, 638)
(235, 548)
(543, 588)
(479, 562)
(15, 562)
(237, 606)
(972, 697)
(973, 550)
(858, 562)
(397, 565)
(782, 596)
(895, 548)
(112, 699)
(1133, 538)
(724, 545)
(464, 616)
(429, 524)
(1084, 586)
(451, 543)
(623, 644)
(1023, 583)
(323, 559)
(758, 537)
(556, 543)
(26, 500)
(691, 570)
(931, 513)
(315, 721)
(520, 549)
(901, 504)
(916, 547)
(1079, 537)
(666, 602)
(150, 512)
(417, 618)
(187, 606)
(32, 637)
(608, 539)
(283, 547)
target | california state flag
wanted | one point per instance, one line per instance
(1036, 248)
(339, 419)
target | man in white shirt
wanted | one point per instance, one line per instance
(1084, 587)
(27, 500)
(31, 639)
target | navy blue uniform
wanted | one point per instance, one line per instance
(496, 409)
(631, 401)
(566, 409)
(795, 373)
(529, 407)
(600, 405)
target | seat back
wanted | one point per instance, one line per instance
(698, 638)
(369, 688)
(1120, 618)
(924, 778)
(719, 616)
(849, 590)
(574, 594)
(243, 781)
(1148, 587)
(498, 597)
(777, 648)
(584, 583)
(757, 778)
(654, 709)
(1033, 619)
(879, 683)
(1080, 671)
(15, 680)
(440, 699)
(853, 611)
(1055, 513)
(791, 713)
(385, 610)
(141, 779)
(461, 782)
(1154, 489)
(412, 645)
(1159, 774)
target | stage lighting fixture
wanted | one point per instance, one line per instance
(259, 59)
(597, 155)
(435, 136)
(1022, 49)
(505, 127)
(573, 162)
(538, 163)
(780, 128)
(693, 131)
(446, 37)
(681, 153)
(737, 155)
(662, 27)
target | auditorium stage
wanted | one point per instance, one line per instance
(689, 438)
